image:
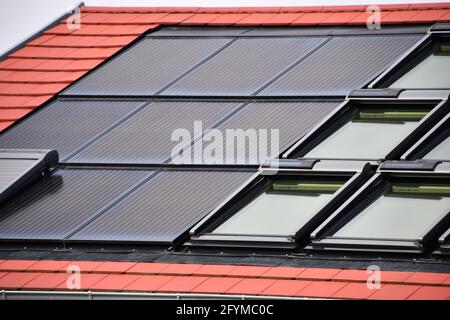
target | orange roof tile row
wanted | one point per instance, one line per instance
(221, 279)
(62, 54)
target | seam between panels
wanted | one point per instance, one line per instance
(109, 206)
(107, 130)
(205, 131)
(212, 55)
(293, 65)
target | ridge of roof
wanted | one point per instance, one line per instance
(221, 279)
(37, 72)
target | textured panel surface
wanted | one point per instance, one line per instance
(291, 119)
(165, 207)
(147, 67)
(52, 207)
(66, 125)
(11, 169)
(146, 137)
(343, 64)
(244, 66)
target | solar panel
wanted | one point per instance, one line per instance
(146, 137)
(292, 119)
(165, 207)
(147, 67)
(66, 125)
(244, 67)
(54, 206)
(343, 64)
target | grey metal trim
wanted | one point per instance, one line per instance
(375, 93)
(440, 27)
(42, 161)
(99, 295)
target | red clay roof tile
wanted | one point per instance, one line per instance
(431, 293)
(321, 289)
(216, 285)
(394, 292)
(282, 272)
(48, 266)
(148, 283)
(181, 269)
(16, 280)
(354, 291)
(427, 278)
(16, 265)
(251, 286)
(200, 19)
(87, 280)
(214, 270)
(182, 284)
(255, 19)
(114, 267)
(248, 271)
(114, 282)
(318, 274)
(286, 287)
(228, 19)
(147, 268)
(46, 281)
(282, 19)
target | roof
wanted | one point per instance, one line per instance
(34, 75)
(144, 277)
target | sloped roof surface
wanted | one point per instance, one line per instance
(34, 75)
(49, 63)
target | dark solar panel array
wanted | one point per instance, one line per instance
(165, 207)
(56, 205)
(66, 125)
(146, 136)
(124, 113)
(291, 119)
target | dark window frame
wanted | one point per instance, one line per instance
(429, 141)
(201, 234)
(409, 60)
(444, 244)
(347, 109)
(322, 238)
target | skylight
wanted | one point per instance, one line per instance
(384, 129)
(430, 73)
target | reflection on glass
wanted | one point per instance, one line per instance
(404, 211)
(368, 135)
(440, 152)
(282, 209)
(432, 72)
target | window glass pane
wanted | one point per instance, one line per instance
(440, 152)
(282, 209)
(368, 135)
(404, 211)
(433, 72)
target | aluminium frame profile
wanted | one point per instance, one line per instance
(322, 238)
(343, 113)
(354, 172)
